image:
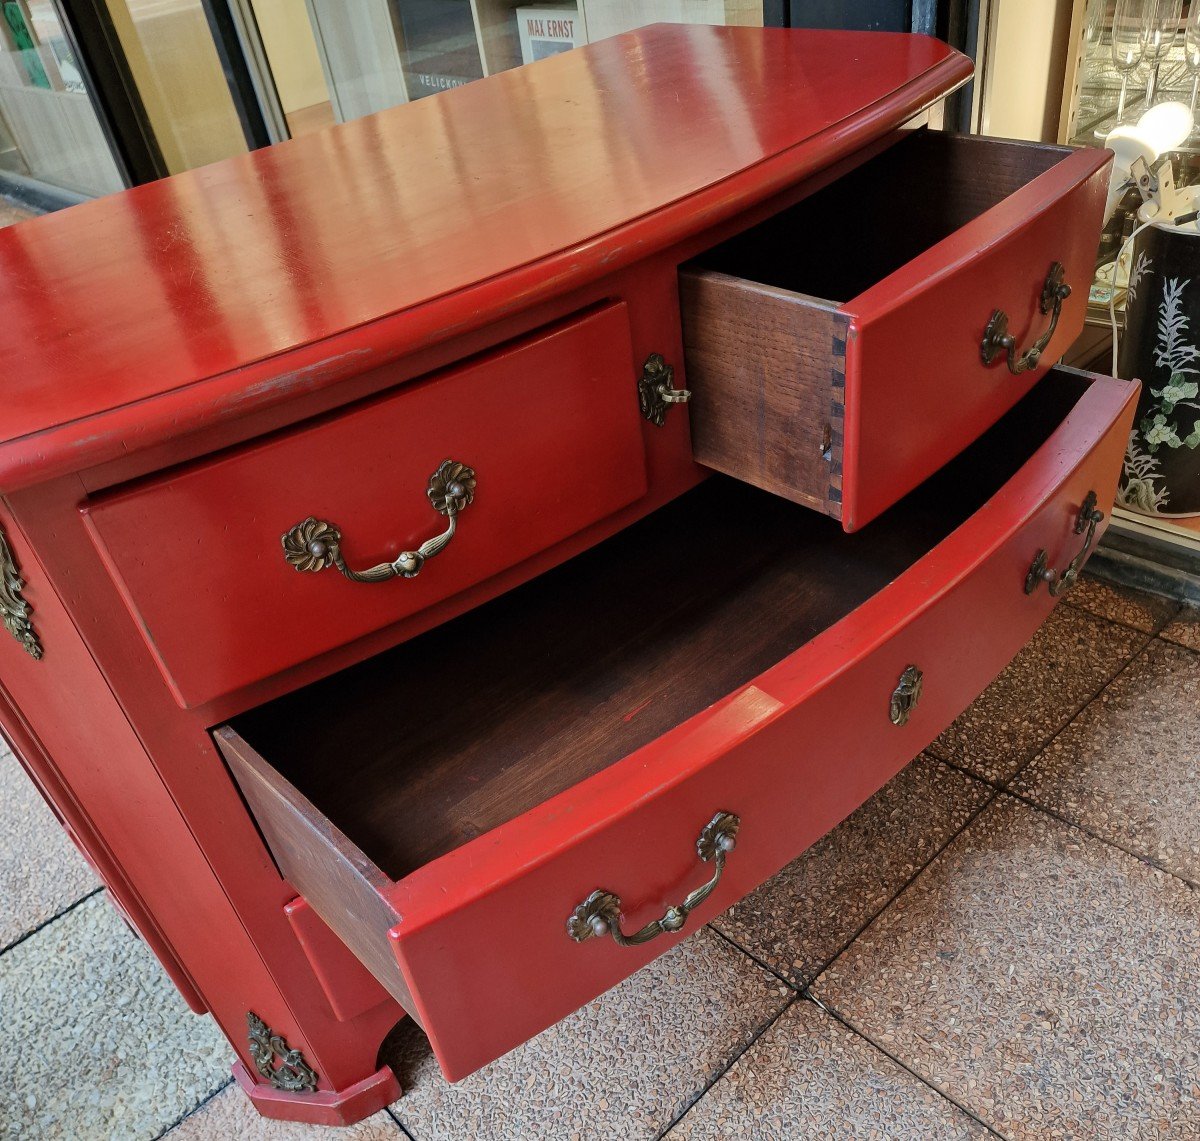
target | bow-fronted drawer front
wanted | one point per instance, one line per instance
(844, 350)
(243, 565)
(509, 814)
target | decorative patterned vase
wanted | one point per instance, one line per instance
(1161, 346)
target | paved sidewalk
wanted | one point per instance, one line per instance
(1004, 942)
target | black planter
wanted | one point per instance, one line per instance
(1161, 346)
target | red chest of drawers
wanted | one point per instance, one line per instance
(368, 586)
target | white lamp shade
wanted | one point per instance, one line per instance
(1165, 126)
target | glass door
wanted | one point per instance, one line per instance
(54, 150)
(125, 92)
(172, 58)
(281, 50)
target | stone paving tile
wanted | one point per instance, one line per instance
(1040, 977)
(810, 1077)
(230, 1117)
(1070, 659)
(625, 1066)
(41, 873)
(1128, 767)
(798, 921)
(95, 1042)
(1136, 608)
(1185, 629)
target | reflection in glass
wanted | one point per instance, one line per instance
(295, 65)
(174, 61)
(51, 134)
(377, 53)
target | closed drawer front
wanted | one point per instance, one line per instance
(447, 807)
(835, 352)
(549, 426)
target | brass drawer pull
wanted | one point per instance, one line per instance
(600, 913)
(1090, 518)
(997, 338)
(314, 544)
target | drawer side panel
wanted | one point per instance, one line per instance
(332, 875)
(766, 368)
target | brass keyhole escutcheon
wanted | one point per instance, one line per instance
(657, 391)
(906, 695)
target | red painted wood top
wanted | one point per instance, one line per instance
(140, 316)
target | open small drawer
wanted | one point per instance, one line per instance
(509, 814)
(847, 348)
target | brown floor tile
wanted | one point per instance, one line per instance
(627, 1064)
(1040, 977)
(1185, 629)
(810, 1077)
(1134, 608)
(41, 873)
(95, 1042)
(231, 1117)
(1128, 767)
(803, 917)
(1070, 659)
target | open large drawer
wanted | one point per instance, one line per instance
(835, 352)
(448, 806)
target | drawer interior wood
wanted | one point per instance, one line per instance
(418, 750)
(853, 233)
